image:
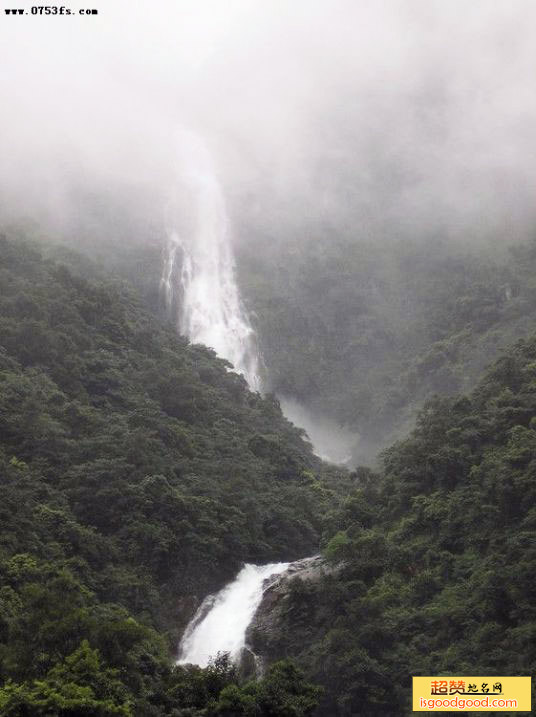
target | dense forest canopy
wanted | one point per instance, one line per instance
(436, 555)
(138, 473)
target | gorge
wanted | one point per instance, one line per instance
(267, 355)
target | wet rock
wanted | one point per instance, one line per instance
(248, 665)
(265, 634)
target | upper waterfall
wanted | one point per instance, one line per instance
(199, 271)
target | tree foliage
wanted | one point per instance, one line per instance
(137, 473)
(366, 330)
(436, 555)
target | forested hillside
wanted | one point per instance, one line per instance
(436, 555)
(137, 474)
(267, 354)
(366, 330)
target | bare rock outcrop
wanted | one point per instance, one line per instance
(264, 633)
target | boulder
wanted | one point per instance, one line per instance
(263, 636)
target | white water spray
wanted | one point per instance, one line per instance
(200, 289)
(221, 622)
(331, 442)
(199, 272)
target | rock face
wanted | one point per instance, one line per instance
(263, 635)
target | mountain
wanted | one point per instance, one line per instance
(364, 330)
(138, 473)
(430, 567)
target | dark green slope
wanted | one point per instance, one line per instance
(136, 472)
(438, 555)
(366, 330)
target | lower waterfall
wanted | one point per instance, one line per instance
(221, 621)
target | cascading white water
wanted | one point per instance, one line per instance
(221, 622)
(199, 283)
(199, 272)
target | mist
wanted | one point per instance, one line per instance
(375, 122)
(330, 441)
(414, 116)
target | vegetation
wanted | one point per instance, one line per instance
(437, 555)
(137, 474)
(366, 331)
(81, 686)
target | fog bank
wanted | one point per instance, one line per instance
(408, 116)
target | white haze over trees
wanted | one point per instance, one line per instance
(417, 113)
(406, 118)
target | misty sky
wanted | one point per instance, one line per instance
(394, 114)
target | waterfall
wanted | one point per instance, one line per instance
(200, 290)
(198, 278)
(221, 622)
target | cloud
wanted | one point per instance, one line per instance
(409, 115)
